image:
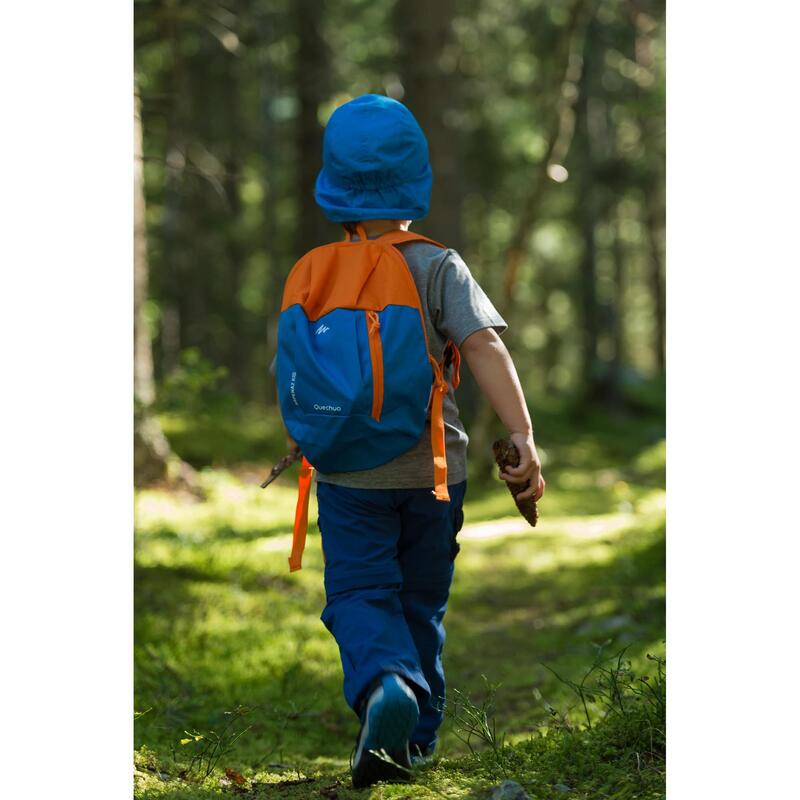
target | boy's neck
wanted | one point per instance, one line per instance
(375, 227)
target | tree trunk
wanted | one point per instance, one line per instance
(143, 386)
(655, 224)
(431, 92)
(618, 309)
(237, 352)
(172, 290)
(153, 457)
(587, 214)
(311, 78)
(653, 211)
(588, 301)
(271, 146)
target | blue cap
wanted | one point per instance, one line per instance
(374, 163)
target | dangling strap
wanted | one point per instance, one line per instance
(440, 389)
(362, 234)
(452, 357)
(301, 516)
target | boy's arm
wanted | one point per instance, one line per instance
(491, 365)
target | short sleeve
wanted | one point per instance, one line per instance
(458, 305)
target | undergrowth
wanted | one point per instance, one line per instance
(238, 684)
(610, 744)
(615, 748)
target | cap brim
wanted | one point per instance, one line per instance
(409, 200)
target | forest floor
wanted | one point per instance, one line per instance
(238, 684)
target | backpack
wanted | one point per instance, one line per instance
(355, 375)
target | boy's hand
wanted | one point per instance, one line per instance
(529, 469)
(492, 367)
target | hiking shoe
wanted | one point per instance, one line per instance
(420, 757)
(389, 719)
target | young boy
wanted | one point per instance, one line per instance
(389, 544)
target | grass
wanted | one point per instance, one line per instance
(231, 657)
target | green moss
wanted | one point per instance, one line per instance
(221, 624)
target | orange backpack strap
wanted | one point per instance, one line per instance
(399, 237)
(301, 516)
(437, 432)
(440, 387)
(452, 358)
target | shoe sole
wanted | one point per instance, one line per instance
(390, 720)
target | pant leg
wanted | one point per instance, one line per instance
(427, 549)
(360, 531)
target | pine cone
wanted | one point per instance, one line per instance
(507, 455)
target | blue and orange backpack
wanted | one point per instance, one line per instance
(356, 378)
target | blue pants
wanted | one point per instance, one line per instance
(388, 568)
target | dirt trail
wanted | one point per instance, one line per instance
(575, 527)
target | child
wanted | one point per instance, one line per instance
(389, 543)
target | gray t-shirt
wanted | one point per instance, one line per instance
(454, 306)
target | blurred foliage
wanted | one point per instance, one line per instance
(196, 387)
(546, 128)
(557, 107)
(221, 625)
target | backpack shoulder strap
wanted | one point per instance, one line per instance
(400, 237)
(440, 386)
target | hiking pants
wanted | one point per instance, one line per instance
(388, 568)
